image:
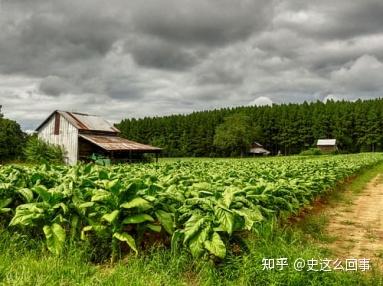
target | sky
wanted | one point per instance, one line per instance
(123, 59)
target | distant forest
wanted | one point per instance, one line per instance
(289, 128)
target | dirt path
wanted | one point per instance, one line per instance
(357, 224)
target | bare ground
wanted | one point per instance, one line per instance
(357, 225)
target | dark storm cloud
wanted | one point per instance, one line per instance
(43, 38)
(213, 22)
(156, 53)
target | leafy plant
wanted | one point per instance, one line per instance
(100, 159)
(38, 151)
(197, 205)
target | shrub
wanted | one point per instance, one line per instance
(311, 151)
(11, 140)
(38, 151)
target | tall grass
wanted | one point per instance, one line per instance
(26, 262)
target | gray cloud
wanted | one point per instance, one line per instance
(365, 74)
(331, 20)
(202, 22)
(156, 53)
(139, 58)
(53, 85)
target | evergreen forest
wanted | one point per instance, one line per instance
(288, 128)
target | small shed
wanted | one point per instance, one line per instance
(82, 135)
(327, 145)
(257, 149)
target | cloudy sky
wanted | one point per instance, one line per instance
(137, 58)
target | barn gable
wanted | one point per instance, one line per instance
(84, 122)
(82, 135)
(57, 130)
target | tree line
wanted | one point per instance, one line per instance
(11, 139)
(15, 145)
(288, 128)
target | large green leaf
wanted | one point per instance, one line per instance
(101, 196)
(63, 206)
(86, 205)
(137, 203)
(192, 227)
(27, 194)
(228, 196)
(137, 219)
(55, 237)
(26, 216)
(251, 216)
(111, 217)
(126, 238)
(167, 220)
(225, 219)
(153, 227)
(216, 246)
(5, 202)
(113, 186)
(42, 192)
(196, 243)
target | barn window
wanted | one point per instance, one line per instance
(57, 124)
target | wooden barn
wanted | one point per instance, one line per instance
(82, 135)
(257, 149)
(327, 145)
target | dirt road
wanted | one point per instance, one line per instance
(357, 225)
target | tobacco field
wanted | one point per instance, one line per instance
(197, 205)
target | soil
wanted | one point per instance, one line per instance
(357, 225)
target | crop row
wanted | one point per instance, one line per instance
(195, 204)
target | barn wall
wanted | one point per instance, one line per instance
(67, 137)
(326, 149)
(86, 149)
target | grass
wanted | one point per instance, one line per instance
(27, 262)
(359, 183)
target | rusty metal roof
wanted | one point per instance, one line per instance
(115, 143)
(84, 122)
(88, 122)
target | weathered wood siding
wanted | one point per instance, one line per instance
(67, 137)
(327, 149)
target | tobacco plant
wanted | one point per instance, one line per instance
(197, 204)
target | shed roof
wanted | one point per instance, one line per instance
(259, 150)
(115, 143)
(326, 142)
(84, 121)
